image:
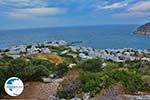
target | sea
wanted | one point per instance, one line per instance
(100, 37)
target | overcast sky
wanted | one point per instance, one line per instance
(51, 13)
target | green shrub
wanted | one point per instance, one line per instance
(26, 70)
(131, 80)
(58, 49)
(3, 78)
(60, 69)
(94, 82)
(17, 66)
(2, 62)
(61, 94)
(5, 60)
(38, 72)
(146, 80)
(69, 59)
(46, 63)
(93, 65)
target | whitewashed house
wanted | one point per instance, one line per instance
(45, 50)
(17, 49)
(33, 50)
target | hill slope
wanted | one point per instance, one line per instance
(144, 29)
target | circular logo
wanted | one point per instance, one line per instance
(14, 86)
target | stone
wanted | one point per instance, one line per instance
(46, 80)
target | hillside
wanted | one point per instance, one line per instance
(144, 29)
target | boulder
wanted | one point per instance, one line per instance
(46, 80)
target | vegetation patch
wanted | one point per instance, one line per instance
(70, 85)
(50, 57)
(98, 74)
(87, 76)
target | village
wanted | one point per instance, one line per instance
(84, 53)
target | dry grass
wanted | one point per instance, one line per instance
(143, 55)
(73, 74)
(140, 55)
(50, 57)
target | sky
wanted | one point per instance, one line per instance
(15, 14)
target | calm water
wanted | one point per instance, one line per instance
(93, 36)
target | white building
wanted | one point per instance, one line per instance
(33, 50)
(17, 49)
(45, 50)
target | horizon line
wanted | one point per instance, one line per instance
(65, 26)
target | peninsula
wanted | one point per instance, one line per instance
(144, 29)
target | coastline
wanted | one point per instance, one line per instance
(84, 53)
(99, 37)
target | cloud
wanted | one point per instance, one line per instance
(139, 9)
(23, 3)
(140, 6)
(133, 14)
(36, 12)
(113, 5)
(29, 8)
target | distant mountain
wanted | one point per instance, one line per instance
(144, 29)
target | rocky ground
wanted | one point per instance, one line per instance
(115, 92)
(38, 90)
(43, 91)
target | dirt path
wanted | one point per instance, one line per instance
(38, 90)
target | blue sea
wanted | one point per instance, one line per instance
(102, 37)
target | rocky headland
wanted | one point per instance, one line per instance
(143, 30)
